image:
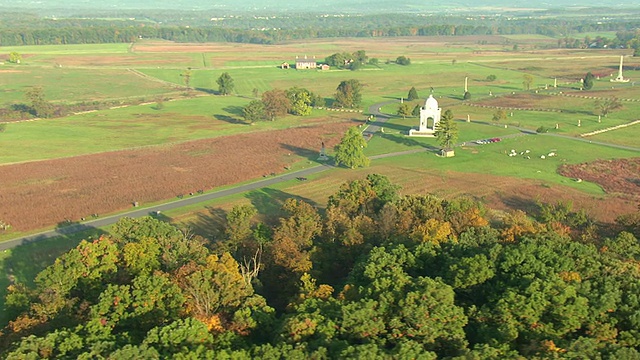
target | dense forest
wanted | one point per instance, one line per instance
(26, 28)
(374, 274)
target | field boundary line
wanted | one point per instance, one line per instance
(610, 129)
(151, 78)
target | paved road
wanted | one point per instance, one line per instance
(190, 200)
(371, 129)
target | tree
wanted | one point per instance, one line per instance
(254, 111)
(350, 150)
(3, 127)
(403, 60)
(416, 110)
(454, 62)
(186, 77)
(527, 80)
(413, 94)
(225, 84)
(15, 58)
(348, 94)
(374, 61)
(446, 130)
(404, 110)
(276, 103)
(491, 77)
(300, 101)
(40, 107)
(499, 115)
(587, 82)
(607, 106)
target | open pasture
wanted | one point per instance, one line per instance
(140, 126)
(74, 85)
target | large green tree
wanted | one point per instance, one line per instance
(15, 57)
(39, 105)
(447, 131)
(276, 103)
(348, 94)
(350, 151)
(300, 100)
(404, 110)
(587, 82)
(413, 94)
(254, 111)
(225, 84)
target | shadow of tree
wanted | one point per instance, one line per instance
(209, 224)
(228, 119)
(269, 202)
(408, 141)
(309, 154)
(208, 91)
(235, 110)
(528, 205)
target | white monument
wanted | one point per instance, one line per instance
(620, 78)
(429, 113)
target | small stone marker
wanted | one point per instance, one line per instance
(468, 118)
(557, 126)
(323, 154)
(579, 123)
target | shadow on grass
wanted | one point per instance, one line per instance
(269, 202)
(528, 205)
(207, 91)
(309, 154)
(32, 256)
(229, 119)
(209, 225)
(407, 141)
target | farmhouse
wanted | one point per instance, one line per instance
(305, 63)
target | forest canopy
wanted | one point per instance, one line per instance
(375, 274)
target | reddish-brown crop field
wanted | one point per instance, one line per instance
(41, 194)
(617, 177)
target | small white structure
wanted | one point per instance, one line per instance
(429, 117)
(620, 78)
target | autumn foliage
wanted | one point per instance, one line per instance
(373, 274)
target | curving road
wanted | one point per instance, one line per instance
(371, 129)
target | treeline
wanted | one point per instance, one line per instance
(374, 275)
(114, 32)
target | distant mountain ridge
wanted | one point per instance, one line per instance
(328, 6)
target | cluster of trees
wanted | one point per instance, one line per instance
(277, 103)
(344, 60)
(29, 29)
(299, 101)
(375, 274)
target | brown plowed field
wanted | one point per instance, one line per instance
(41, 194)
(619, 177)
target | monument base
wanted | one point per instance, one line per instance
(620, 80)
(323, 157)
(424, 133)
